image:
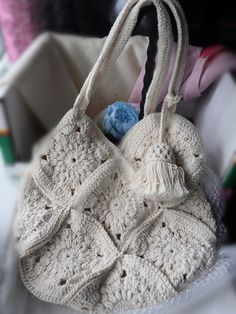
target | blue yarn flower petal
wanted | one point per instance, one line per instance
(119, 118)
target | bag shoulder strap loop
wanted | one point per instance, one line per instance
(115, 42)
(179, 67)
(117, 39)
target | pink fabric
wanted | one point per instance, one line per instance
(203, 67)
(19, 24)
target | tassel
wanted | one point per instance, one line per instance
(160, 178)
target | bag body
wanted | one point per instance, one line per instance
(104, 227)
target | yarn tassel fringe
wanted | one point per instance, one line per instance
(162, 180)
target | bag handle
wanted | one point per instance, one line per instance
(173, 96)
(151, 54)
(116, 40)
(118, 37)
(181, 57)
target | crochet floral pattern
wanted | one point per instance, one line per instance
(87, 239)
(117, 207)
(75, 144)
(104, 227)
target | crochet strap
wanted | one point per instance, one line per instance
(182, 47)
(173, 96)
(118, 37)
(151, 15)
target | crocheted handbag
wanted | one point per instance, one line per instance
(104, 227)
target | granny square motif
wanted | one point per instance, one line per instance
(104, 227)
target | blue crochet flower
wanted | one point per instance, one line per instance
(119, 118)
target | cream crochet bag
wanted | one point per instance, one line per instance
(104, 227)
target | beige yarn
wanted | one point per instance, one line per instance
(86, 237)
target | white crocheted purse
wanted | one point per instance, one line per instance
(104, 227)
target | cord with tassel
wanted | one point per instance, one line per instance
(160, 178)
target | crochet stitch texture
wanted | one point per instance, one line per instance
(88, 240)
